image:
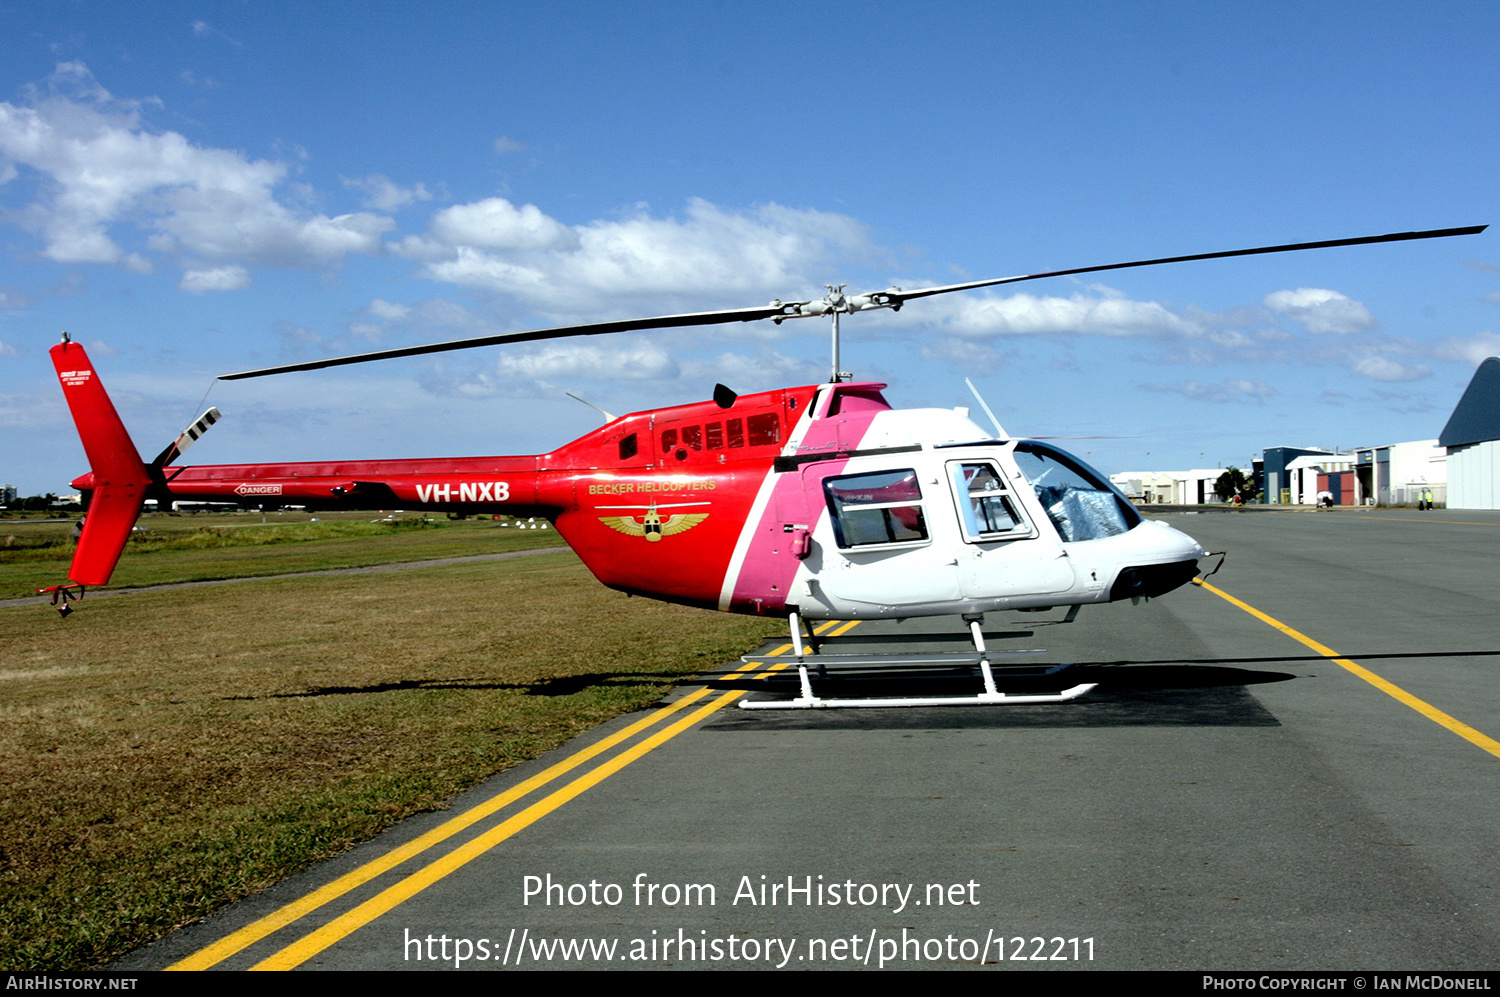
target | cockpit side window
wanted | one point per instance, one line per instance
(1081, 503)
(880, 508)
(986, 508)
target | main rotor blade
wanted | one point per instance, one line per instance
(784, 310)
(903, 296)
(558, 332)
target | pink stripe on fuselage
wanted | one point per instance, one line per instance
(769, 567)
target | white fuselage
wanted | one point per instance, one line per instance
(966, 528)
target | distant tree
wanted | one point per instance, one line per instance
(1233, 482)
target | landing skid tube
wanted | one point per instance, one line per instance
(989, 696)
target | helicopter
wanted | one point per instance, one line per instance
(813, 503)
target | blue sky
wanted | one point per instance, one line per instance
(198, 188)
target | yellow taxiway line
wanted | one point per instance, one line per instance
(1427, 710)
(305, 948)
(211, 955)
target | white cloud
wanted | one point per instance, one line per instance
(7, 350)
(1232, 339)
(37, 410)
(258, 229)
(1472, 350)
(763, 371)
(965, 354)
(1386, 369)
(74, 77)
(579, 270)
(295, 340)
(108, 172)
(230, 278)
(496, 224)
(1233, 390)
(536, 372)
(387, 311)
(1405, 403)
(472, 268)
(634, 362)
(430, 320)
(1322, 311)
(205, 30)
(382, 194)
(504, 145)
(650, 366)
(1080, 314)
(11, 299)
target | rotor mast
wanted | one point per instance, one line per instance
(836, 292)
(837, 375)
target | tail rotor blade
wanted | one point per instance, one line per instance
(185, 439)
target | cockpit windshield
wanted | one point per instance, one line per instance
(1081, 503)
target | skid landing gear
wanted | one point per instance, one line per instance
(62, 595)
(988, 695)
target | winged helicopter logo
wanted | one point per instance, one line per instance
(651, 524)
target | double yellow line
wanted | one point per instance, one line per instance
(311, 944)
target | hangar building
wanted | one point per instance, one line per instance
(1394, 474)
(1402, 473)
(1472, 439)
(1275, 484)
(1310, 474)
(1195, 487)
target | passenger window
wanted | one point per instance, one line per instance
(715, 435)
(880, 508)
(692, 437)
(986, 508)
(764, 429)
(668, 440)
(736, 433)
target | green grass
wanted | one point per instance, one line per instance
(167, 752)
(203, 548)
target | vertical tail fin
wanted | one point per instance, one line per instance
(120, 478)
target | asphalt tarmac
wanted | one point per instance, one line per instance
(1228, 798)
